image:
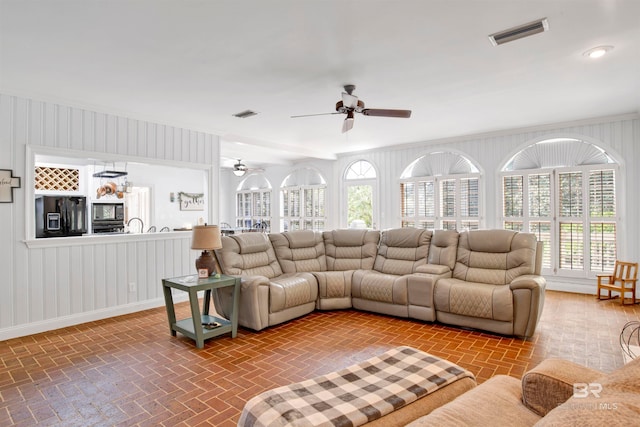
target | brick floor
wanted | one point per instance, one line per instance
(129, 371)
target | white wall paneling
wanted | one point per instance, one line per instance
(50, 283)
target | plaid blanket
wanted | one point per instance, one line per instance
(355, 395)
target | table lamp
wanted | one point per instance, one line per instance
(207, 238)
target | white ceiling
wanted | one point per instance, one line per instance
(196, 63)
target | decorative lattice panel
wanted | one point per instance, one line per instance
(58, 179)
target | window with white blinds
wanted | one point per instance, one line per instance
(564, 191)
(303, 208)
(440, 190)
(253, 203)
(448, 202)
(602, 213)
(571, 210)
(253, 209)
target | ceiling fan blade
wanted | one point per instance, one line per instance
(349, 101)
(381, 112)
(347, 125)
(311, 115)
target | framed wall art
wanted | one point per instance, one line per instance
(7, 183)
(191, 201)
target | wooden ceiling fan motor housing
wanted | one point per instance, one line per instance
(342, 109)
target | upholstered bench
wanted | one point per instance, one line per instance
(394, 388)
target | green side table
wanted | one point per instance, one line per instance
(201, 326)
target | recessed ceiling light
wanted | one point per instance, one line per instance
(597, 52)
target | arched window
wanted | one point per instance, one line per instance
(441, 191)
(253, 203)
(302, 201)
(360, 169)
(360, 196)
(564, 191)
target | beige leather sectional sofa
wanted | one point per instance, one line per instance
(484, 279)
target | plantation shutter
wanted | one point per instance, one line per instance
(426, 199)
(602, 227)
(266, 204)
(448, 198)
(408, 199)
(469, 197)
(571, 249)
(540, 195)
(512, 190)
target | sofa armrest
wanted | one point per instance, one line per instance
(433, 269)
(253, 310)
(551, 383)
(528, 300)
(528, 281)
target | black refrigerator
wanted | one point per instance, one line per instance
(59, 216)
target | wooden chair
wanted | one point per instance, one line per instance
(623, 280)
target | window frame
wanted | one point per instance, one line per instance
(318, 222)
(585, 219)
(246, 217)
(438, 220)
(360, 180)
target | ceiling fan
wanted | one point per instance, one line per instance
(239, 169)
(350, 104)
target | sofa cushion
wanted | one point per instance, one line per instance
(610, 400)
(292, 290)
(433, 269)
(551, 383)
(375, 286)
(299, 251)
(350, 249)
(496, 402)
(474, 299)
(402, 250)
(494, 256)
(248, 254)
(444, 248)
(334, 284)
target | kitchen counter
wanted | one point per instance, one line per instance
(106, 238)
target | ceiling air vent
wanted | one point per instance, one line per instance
(244, 114)
(519, 32)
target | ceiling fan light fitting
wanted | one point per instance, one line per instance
(239, 169)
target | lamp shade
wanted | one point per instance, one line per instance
(206, 237)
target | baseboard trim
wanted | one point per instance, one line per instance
(77, 319)
(575, 288)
